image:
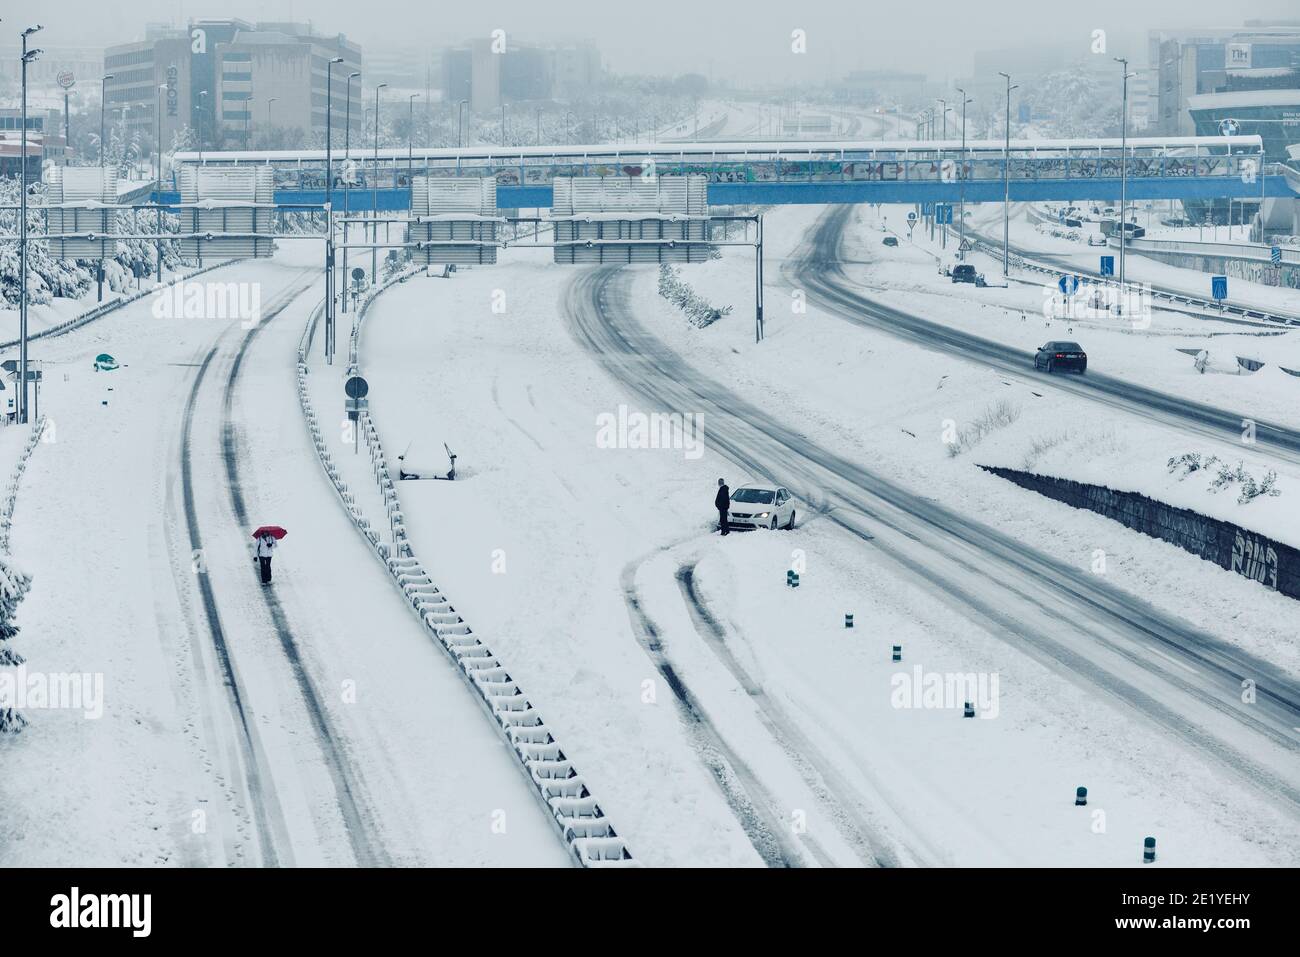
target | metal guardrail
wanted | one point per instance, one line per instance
(582, 825)
(1212, 308)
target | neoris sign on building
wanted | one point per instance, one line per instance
(173, 74)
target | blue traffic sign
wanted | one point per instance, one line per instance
(1275, 254)
(1219, 287)
(943, 214)
(927, 209)
(1068, 285)
(1108, 265)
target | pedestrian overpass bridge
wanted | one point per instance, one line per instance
(792, 172)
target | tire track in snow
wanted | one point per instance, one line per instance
(747, 797)
(268, 817)
(871, 846)
(366, 848)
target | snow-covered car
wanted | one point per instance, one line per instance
(1096, 239)
(761, 506)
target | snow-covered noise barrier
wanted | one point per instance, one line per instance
(579, 820)
(1272, 563)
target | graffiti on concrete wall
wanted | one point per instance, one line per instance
(1255, 558)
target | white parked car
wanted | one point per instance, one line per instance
(761, 506)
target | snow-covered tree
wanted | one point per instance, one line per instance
(14, 585)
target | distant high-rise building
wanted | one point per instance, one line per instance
(220, 78)
(1182, 64)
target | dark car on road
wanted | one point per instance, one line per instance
(891, 240)
(965, 272)
(1061, 357)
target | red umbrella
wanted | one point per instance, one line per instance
(275, 530)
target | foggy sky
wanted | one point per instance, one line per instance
(744, 40)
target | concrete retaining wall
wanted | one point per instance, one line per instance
(1271, 563)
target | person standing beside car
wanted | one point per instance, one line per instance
(722, 502)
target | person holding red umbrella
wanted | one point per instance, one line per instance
(266, 538)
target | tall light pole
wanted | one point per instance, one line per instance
(538, 138)
(103, 96)
(158, 182)
(410, 132)
(567, 137)
(961, 180)
(27, 57)
(1006, 180)
(269, 101)
(944, 113)
(374, 197)
(202, 107)
(503, 124)
(460, 123)
(1123, 178)
(329, 208)
(347, 158)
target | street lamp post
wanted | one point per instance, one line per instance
(961, 181)
(347, 158)
(538, 138)
(374, 197)
(27, 57)
(269, 124)
(202, 106)
(103, 96)
(503, 124)
(1123, 178)
(329, 209)
(568, 138)
(410, 133)
(460, 123)
(158, 181)
(1006, 179)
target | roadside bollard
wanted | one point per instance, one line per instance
(792, 578)
(848, 620)
(898, 652)
(1149, 851)
(970, 710)
(1080, 797)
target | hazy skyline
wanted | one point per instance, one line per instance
(748, 42)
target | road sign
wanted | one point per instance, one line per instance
(943, 214)
(1229, 127)
(358, 274)
(356, 387)
(66, 80)
(927, 209)
(1108, 265)
(911, 216)
(1068, 285)
(965, 246)
(1219, 287)
(1275, 254)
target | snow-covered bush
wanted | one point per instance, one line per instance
(994, 417)
(699, 312)
(14, 584)
(1227, 476)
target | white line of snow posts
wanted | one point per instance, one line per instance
(582, 825)
(11, 491)
(14, 582)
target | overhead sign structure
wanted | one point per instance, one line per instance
(454, 219)
(82, 203)
(232, 209)
(631, 219)
(1219, 287)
